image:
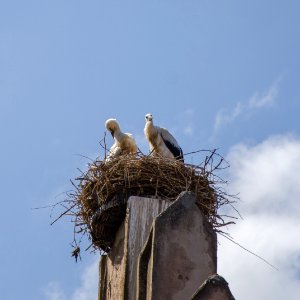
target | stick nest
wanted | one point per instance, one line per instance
(98, 205)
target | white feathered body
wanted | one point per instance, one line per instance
(157, 138)
(124, 143)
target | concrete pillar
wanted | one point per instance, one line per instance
(180, 254)
(214, 288)
(163, 250)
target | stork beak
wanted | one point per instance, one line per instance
(112, 133)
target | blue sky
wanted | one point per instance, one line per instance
(217, 74)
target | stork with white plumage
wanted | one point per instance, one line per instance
(124, 142)
(161, 141)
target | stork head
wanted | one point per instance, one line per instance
(112, 125)
(148, 118)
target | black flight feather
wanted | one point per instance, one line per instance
(177, 152)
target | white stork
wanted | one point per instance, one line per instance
(124, 142)
(161, 141)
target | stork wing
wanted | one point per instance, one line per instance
(114, 151)
(171, 143)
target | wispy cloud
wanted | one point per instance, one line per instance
(89, 283)
(256, 101)
(267, 177)
(53, 291)
(186, 120)
(224, 117)
(265, 99)
(188, 129)
(87, 290)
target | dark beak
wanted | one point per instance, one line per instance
(112, 133)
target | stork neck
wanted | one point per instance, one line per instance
(150, 129)
(118, 134)
(149, 124)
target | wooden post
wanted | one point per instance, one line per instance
(119, 267)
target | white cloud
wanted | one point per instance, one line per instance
(188, 130)
(257, 101)
(88, 289)
(53, 291)
(267, 177)
(224, 117)
(265, 99)
(89, 286)
(187, 120)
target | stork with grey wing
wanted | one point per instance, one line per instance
(161, 141)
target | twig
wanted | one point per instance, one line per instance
(251, 252)
(62, 214)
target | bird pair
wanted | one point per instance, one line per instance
(161, 141)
